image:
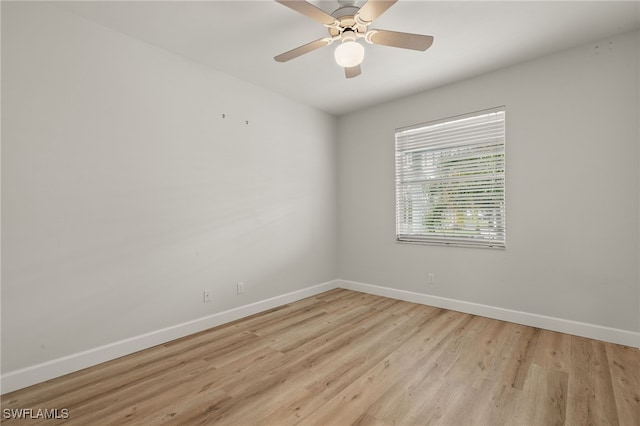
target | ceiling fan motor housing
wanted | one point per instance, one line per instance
(346, 16)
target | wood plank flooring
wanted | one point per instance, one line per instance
(349, 358)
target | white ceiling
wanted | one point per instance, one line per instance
(241, 38)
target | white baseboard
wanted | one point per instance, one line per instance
(22, 378)
(613, 335)
(28, 376)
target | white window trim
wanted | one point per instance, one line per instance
(425, 140)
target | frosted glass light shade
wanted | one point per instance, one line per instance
(349, 54)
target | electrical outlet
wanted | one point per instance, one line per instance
(432, 278)
(240, 287)
(206, 296)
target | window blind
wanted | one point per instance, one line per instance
(450, 181)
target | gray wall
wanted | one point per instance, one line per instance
(572, 190)
(125, 194)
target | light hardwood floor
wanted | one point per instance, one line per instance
(345, 357)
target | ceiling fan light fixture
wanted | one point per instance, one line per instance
(349, 54)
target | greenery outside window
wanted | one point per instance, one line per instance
(450, 181)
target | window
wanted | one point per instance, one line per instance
(450, 181)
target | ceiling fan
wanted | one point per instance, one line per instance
(348, 24)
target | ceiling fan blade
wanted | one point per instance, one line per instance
(374, 8)
(351, 72)
(310, 11)
(397, 39)
(298, 51)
